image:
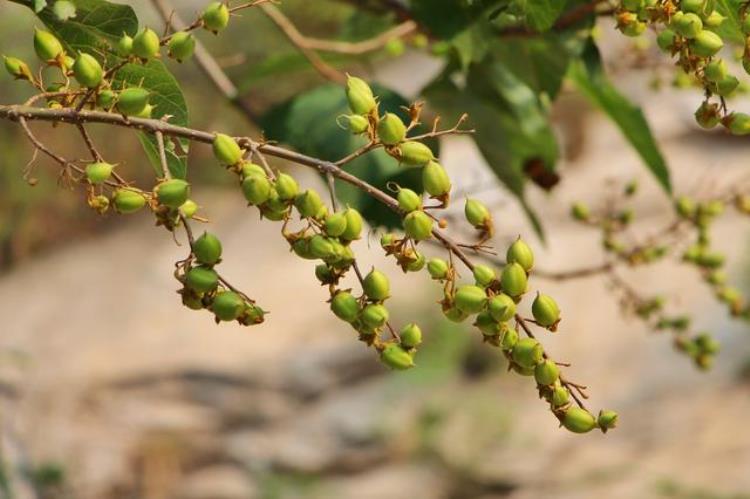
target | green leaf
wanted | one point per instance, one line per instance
(541, 14)
(588, 75)
(731, 28)
(447, 18)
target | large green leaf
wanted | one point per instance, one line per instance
(541, 15)
(588, 75)
(446, 18)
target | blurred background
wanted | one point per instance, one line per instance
(109, 388)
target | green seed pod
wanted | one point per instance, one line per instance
(146, 44)
(321, 247)
(666, 39)
(106, 99)
(387, 240)
(629, 24)
(228, 306)
(714, 19)
(335, 224)
(546, 373)
(376, 286)
(374, 316)
(528, 352)
(470, 299)
(580, 211)
(226, 150)
(395, 357)
(738, 123)
(46, 45)
(87, 71)
(696, 6)
(18, 69)
(606, 420)
(360, 97)
(716, 70)
(545, 310)
(418, 225)
(417, 263)
(189, 208)
(249, 169)
(124, 45)
(207, 249)
(181, 46)
(560, 396)
(453, 314)
(353, 225)
(286, 186)
(356, 124)
(411, 336)
(257, 189)
(215, 17)
(252, 315)
(708, 115)
(706, 43)
(413, 153)
(345, 306)
(133, 101)
(688, 25)
(301, 248)
(438, 268)
(484, 275)
(513, 280)
(520, 253)
(408, 200)
(476, 213)
(309, 204)
(578, 420)
(172, 193)
(99, 172)
(128, 201)
(435, 179)
(324, 274)
(202, 279)
(726, 86)
(502, 307)
(487, 325)
(191, 299)
(391, 130)
(510, 339)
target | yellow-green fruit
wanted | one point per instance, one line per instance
(470, 299)
(726, 86)
(484, 275)
(127, 201)
(666, 40)
(688, 25)
(502, 307)
(738, 123)
(106, 99)
(172, 193)
(696, 6)
(249, 169)
(560, 396)
(527, 352)
(46, 45)
(228, 306)
(546, 373)
(580, 211)
(215, 17)
(408, 200)
(513, 280)
(391, 130)
(716, 70)
(353, 225)
(374, 316)
(519, 252)
(360, 96)
(226, 150)
(301, 248)
(286, 186)
(146, 112)
(17, 68)
(417, 263)
(256, 189)
(335, 224)
(453, 314)
(345, 306)
(510, 338)
(435, 179)
(545, 310)
(706, 43)
(309, 204)
(132, 101)
(418, 225)
(124, 45)
(146, 44)
(321, 247)
(487, 325)
(413, 153)
(395, 357)
(87, 71)
(376, 286)
(437, 268)
(252, 315)
(202, 279)
(607, 420)
(476, 213)
(189, 208)
(357, 124)
(99, 172)
(191, 299)
(411, 336)
(181, 46)
(207, 249)
(714, 19)
(578, 420)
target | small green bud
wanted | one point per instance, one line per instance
(360, 97)
(476, 213)
(418, 225)
(391, 130)
(172, 193)
(215, 17)
(353, 225)
(226, 150)
(502, 307)
(387, 240)
(546, 373)
(47, 46)
(322, 247)
(249, 169)
(408, 200)
(417, 263)
(578, 420)
(706, 43)
(345, 306)
(18, 69)
(286, 186)
(695, 6)
(189, 208)
(453, 314)
(488, 325)
(202, 279)
(438, 268)
(228, 306)
(106, 99)
(411, 336)
(128, 201)
(726, 86)
(545, 310)
(484, 275)
(666, 39)
(413, 153)
(357, 124)
(99, 172)
(629, 24)
(256, 189)
(335, 224)
(181, 46)
(146, 44)
(716, 70)
(207, 249)
(435, 179)
(560, 396)
(519, 252)
(133, 101)
(510, 339)
(513, 280)
(309, 204)
(395, 357)
(87, 71)
(374, 316)
(606, 420)
(714, 19)
(376, 286)
(470, 299)
(124, 45)
(688, 25)
(580, 211)
(528, 352)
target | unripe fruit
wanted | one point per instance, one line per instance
(417, 263)
(301, 248)
(335, 224)
(324, 274)
(132, 100)
(189, 208)
(98, 173)
(714, 19)
(632, 5)
(629, 24)
(181, 46)
(685, 206)
(146, 44)
(87, 71)
(513, 280)
(228, 306)
(413, 153)
(438, 268)
(321, 247)
(309, 204)
(353, 225)
(411, 336)
(46, 45)
(376, 286)
(374, 316)
(286, 186)
(546, 373)
(578, 420)
(435, 179)
(708, 115)
(484, 275)
(580, 211)
(510, 339)
(738, 123)
(606, 420)
(252, 315)
(470, 299)
(692, 5)
(249, 169)
(408, 200)
(688, 25)
(726, 86)
(256, 189)
(106, 99)
(418, 225)
(360, 97)
(476, 213)
(18, 69)
(395, 357)
(202, 279)
(207, 249)
(706, 43)
(391, 130)
(520, 253)
(356, 124)
(666, 40)
(215, 17)
(716, 70)
(545, 310)
(560, 396)
(127, 201)
(528, 352)
(124, 45)
(502, 307)
(191, 299)
(453, 314)
(487, 324)
(226, 150)
(146, 112)
(345, 306)
(173, 193)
